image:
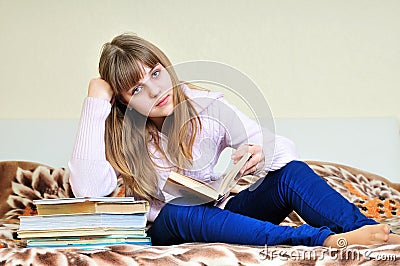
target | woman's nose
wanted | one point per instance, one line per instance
(154, 90)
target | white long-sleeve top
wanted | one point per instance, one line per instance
(223, 125)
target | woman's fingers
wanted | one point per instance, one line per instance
(250, 171)
(238, 154)
(255, 162)
(252, 164)
(242, 150)
(99, 88)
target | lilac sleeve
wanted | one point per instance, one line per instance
(240, 129)
(91, 174)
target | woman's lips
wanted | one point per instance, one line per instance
(163, 101)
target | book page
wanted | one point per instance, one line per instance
(189, 189)
(233, 175)
(85, 199)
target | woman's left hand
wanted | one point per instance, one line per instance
(256, 161)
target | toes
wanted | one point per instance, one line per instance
(381, 228)
(387, 229)
(379, 238)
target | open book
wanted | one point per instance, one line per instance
(192, 191)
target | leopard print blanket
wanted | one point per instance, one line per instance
(23, 182)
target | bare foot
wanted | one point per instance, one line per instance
(394, 239)
(366, 235)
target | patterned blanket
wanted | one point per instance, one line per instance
(22, 182)
(204, 254)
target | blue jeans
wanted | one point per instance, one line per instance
(252, 217)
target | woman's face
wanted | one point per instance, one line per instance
(152, 96)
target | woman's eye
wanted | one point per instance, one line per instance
(137, 90)
(155, 74)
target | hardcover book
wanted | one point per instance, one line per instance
(188, 190)
(96, 231)
(84, 220)
(91, 205)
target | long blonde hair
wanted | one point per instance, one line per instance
(128, 133)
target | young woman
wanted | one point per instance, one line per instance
(141, 122)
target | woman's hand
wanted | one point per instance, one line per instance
(99, 88)
(256, 161)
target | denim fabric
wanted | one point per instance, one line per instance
(252, 216)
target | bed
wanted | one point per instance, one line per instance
(23, 182)
(34, 153)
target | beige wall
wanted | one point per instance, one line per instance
(311, 58)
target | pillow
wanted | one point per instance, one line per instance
(23, 182)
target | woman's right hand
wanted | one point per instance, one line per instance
(99, 88)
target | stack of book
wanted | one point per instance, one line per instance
(85, 223)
